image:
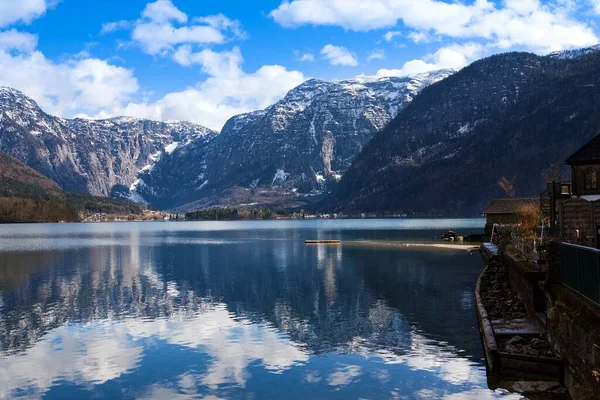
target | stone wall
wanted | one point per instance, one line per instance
(572, 322)
(525, 281)
(573, 329)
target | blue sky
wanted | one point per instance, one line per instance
(206, 60)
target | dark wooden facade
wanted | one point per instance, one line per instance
(580, 221)
(586, 179)
(585, 168)
(579, 214)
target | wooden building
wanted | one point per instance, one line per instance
(505, 211)
(585, 167)
(579, 214)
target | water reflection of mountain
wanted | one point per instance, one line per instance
(325, 298)
(433, 289)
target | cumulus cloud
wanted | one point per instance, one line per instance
(390, 35)
(78, 84)
(25, 11)
(304, 57)
(526, 24)
(376, 54)
(84, 86)
(162, 27)
(13, 40)
(451, 57)
(228, 90)
(110, 27)
(419, 37)
(338, 55)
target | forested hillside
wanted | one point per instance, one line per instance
(510, 115)
(28, 196)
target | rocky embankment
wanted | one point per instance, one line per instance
(498, 298)
(502, 303)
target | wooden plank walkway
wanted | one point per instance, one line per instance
(524, 326)
(491, 248)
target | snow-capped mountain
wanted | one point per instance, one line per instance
(97, 157)
(571, 54)
(311, 136)
(512, 115)
(297, 147)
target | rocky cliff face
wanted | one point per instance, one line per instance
(297, 148)
(309, 138)
(98, 157)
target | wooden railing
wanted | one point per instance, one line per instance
(528, 248)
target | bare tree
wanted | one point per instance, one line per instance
(529, 219)
(507, 185)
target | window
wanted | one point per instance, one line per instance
(590, 178)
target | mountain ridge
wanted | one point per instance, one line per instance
(290, 152)
(86, 156)
(514, 114)
(429, 144)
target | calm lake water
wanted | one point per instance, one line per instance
(238, 310)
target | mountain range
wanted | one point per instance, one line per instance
(432, 143)
(289, 153)
(87, 156)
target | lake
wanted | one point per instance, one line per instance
(238, 310)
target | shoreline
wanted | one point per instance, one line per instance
(519, 356)
(411, 245)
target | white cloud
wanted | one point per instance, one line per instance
(110, 27)
(85, 86)
(338, 55)
(223, 23)
(376, 54)
(79, 84)
(158, 31)
(596, 6)
(84, 356)
(17, 41)
(230, 343)
(526, 24)
(419, 37)
(304, 57)
(390, 35)
(163, 11)
(228, 90)
(12, 11)
(452, 57)
(344, 375)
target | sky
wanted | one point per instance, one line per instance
(207, 60)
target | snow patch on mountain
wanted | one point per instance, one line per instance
(90, 156)
(572, 54)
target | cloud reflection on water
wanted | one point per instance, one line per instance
(111, 315)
